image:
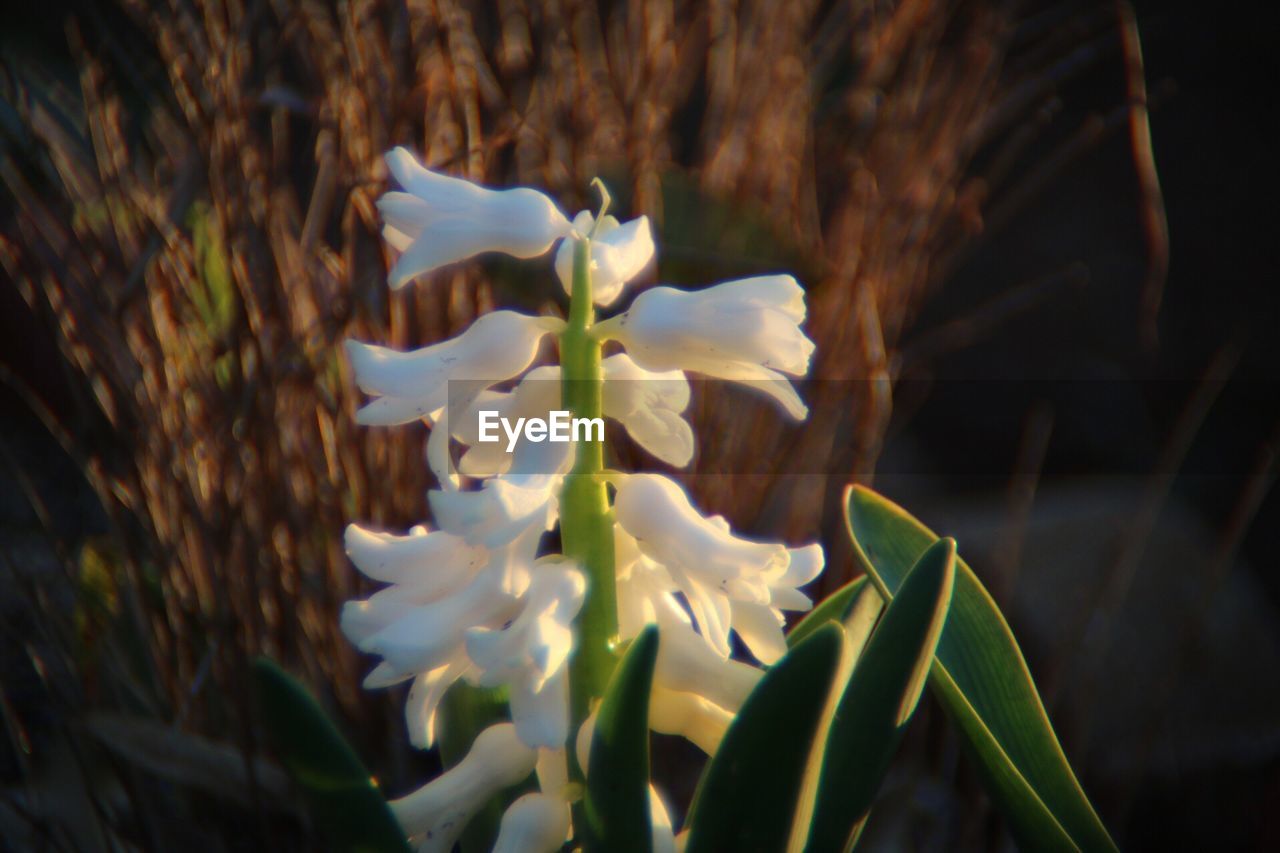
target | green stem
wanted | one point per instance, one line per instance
(586, 527)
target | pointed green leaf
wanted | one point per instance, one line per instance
(750, 790)
(343, 798)
(834, 608)
(982, 679)
(881, 697)
(617, 800)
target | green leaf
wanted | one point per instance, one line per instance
(343, 798)
(751, 788)
(834, 608)
(981, 678)
(880, 699)
(617, 799)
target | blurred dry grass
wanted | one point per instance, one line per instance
(195, 220)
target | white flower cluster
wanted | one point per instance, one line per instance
(473, 598)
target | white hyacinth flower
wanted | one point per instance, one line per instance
(745, 331)
(536, 396)
(434, 816)
(649, 406)
(760, 625)
(531, 651)
(472, 598)
(705, 560)
(413, 638)
(439, 220)
(535, 823)
(619, 253)
(412, 385)
(442, 586)
(501, 510)
(688, 665)
(729, 582)
(688, 715)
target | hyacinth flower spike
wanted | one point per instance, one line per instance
(474, 597)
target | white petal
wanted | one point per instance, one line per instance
(687, 664)
(742, 331)
(780, 292)
(582, 224)
(665, 434)
(535, 823)
(424, 700)
(384, 675)
(439, 459)
(498, 512)
(360, 620)
(643, 599)
(711, 610)
(397, 239)
(536, 644)
(406, 214)
(760, 627)
(411, 385)
(805, 565)
(656, 511)
(417, 558)
(553, 771)
(542, 717)
(435, 815)
(786, 598)
(518, 222)
(619, 253)
(423, 638)
(582, 742)
(454, 219)
(663, 835)
(619, 256)
(648, 404)
(694, 718)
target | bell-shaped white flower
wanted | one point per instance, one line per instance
(730, 583)
(425, 695)
(423, 568)
(645, 591)
(530, 651)
(745, 331)
(442, 586)
(535, 823)
(501, 510)
(705, 560)
(412, 385)
(671, 712)
(434, 816)
(687, 664)
(436, 560)
(413, 638)
(650, 405)
(689, 715)
(619, 253)
(761, 625)
(536, 396)
(439, 220)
